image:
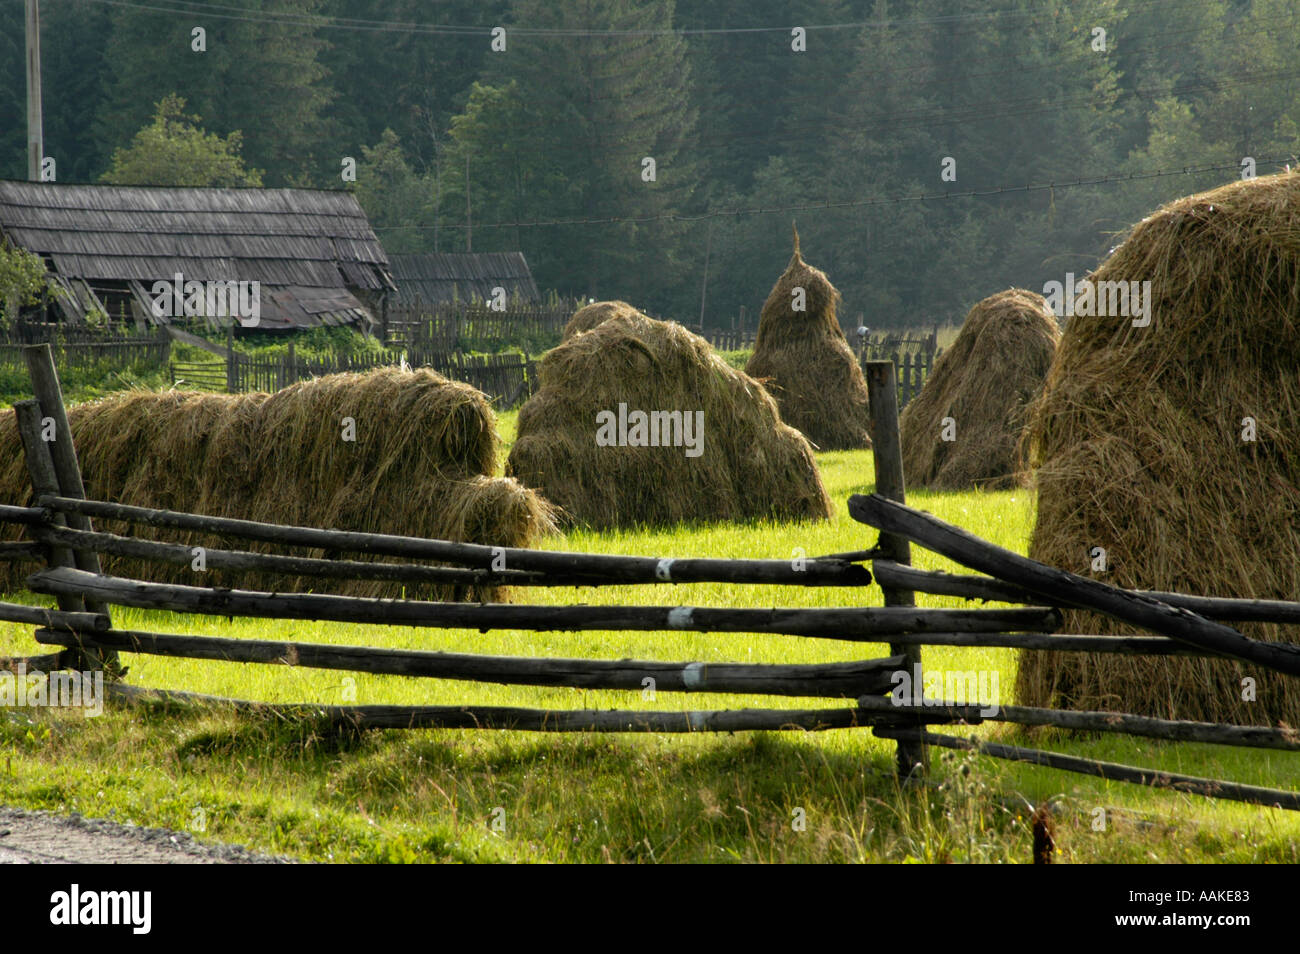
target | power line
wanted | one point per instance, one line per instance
(325, 21)
(848, 203)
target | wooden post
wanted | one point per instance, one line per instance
(63, 457)
(40, 468)
(232, 386)
(887, 452)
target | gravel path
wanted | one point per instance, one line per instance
(45, 838)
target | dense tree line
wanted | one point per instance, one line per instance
(658, 151)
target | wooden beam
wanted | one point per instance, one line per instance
(827, 680)
(610, 569)
(517, 719)
(178, 554)
(1211, 788)
(898, 575)
(862, 625)
(26, 516)
(1174, 730)
(18, 551)
(1068, 589)
(76, 622)
(987, 588)
(1055, 642)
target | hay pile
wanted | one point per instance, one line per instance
(749, 464)
(589, 316)
(803, 358)
(1138, 444)
(985, 382)
(420, 465)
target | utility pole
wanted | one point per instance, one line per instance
(469, 218)
(35, 139)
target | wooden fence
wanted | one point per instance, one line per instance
(473, 326)
(62, 536)
(508, 379)
(81, 350)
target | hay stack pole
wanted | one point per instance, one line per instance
(803, 358)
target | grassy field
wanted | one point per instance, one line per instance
(484, 796)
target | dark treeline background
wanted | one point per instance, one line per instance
(448, 133)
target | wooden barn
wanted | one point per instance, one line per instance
(432, 277)
(313, 254)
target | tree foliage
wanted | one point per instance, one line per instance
(174, 151)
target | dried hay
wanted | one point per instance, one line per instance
(803, 358)
(985, 382)
(1138, 444)
(751, 465)
(589, 316)
(420, 465)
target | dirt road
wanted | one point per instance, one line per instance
(44, 838)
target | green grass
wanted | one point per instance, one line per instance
(433, 795)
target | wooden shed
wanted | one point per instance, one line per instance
(431, 277)
(313, 253)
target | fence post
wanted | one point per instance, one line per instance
(887, 453)
(63, 460)
(232, 385)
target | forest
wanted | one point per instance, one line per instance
(931, 152)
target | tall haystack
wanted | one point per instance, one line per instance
(589, 316)
(596, 441)
(417, 460)
(803, 358)
(985, 383)
(1175, 447)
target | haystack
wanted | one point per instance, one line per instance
(719, 453)
(421, 464)
(803, 358)
(1138, 442)
(985, 383)
(589, 316)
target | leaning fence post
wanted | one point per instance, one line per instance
(63, 458)
(887, 453)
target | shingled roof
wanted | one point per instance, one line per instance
(309, 249)
(431, 277)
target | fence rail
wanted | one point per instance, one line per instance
(474, 326)
(60, 525)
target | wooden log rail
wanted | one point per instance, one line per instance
(889, 573)
(73, 622)
(592, 568)
(26, 516)
(519, 719)
(1212, 788)
(828, 680)
(1061, 588)
(1174, 730)
(862, 625)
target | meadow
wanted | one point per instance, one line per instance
(451, 795)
